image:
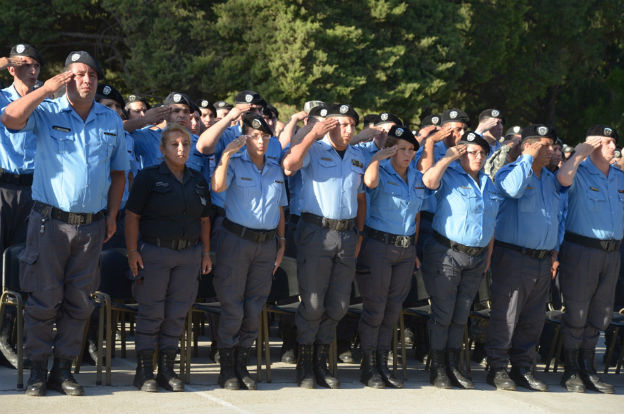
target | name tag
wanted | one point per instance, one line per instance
(419, 188)
(465, 187)
(620, 191)
(246, 179)
(60, 128)
(271, 157)
(326, 159)
(594, 189)
(279, 181)
(529, 187)
(392, 183)
(110, 134)
(161, 184)
(357, 163)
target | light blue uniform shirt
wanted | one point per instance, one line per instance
(74, 158)
(273, 153)
(17, 148)
(133, 167)
(294, 190)
(466, 210)
(439, 151)
(530, 210)
(330, 183)
(394, 203)
(368, 150)
(253, 197)
(147, 146)
(596, 203)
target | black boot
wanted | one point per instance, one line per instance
(242, 359)
(571, 379)
(369, 374)
(457, 377)
(166, 377)
(323, 377)
(227, 376)
(589, 376)
(437, 374)
(144, 377)
(387, 375)
(305, 372)
(499, 378)
(61, 378)
(36, 385)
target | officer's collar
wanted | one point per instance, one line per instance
(65, 105)
(591, 167)
(12, 90)
(328, 142)
(163, 169)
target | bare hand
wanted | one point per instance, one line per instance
(15, 61)
(554, 269)
(590, 145)
(280, 255)
(157, 115)
(56, 82)
(532, 149)
(441, 134)
(456, 151)
(135, 261)
(111, 227)
(299, 116)
(321, 128)
(235, 145)
(384, 153)
(206, 265)
(237, 110)
(417, 263)
(487, 124)
(358, 245)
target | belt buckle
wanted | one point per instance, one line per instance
(74, 219)
(609, 245)
(402, 241)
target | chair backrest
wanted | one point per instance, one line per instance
(418, 294)
(285, 287)
(206, 290)
(11, 267)
(484, 296)
(115, 273)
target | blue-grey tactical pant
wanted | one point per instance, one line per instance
(588, 278)
(243, 276)
(165, 289)
(452, 279)
(325, 270)
(60, 270)
(383, 291)
(520, 287)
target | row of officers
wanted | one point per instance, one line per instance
(374, 202)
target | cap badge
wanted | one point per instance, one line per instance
(132, 98)
(516, 130)
(495, 113)
(221, 104)
(542, 130)
(248, 98)
(399, 132)
(323, 112)
(256, 124)
(608, 132)
(453, 114)
(471, 137)
(177, 97)
(106, 90)
(20, 48)
(384, 116)
(435, 120)
(75, 57)
(344, 109)
(204, 103)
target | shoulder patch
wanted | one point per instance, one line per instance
(357, 163)
(594, 189)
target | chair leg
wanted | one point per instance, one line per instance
(333, 357)
(466, 353)
(110, 344)
(553, 346)
(558, 353)
(265, 338)
(259, 343)
(403, 350)
(122, 324)
(100, 343)
(85, 333)
(611, 349)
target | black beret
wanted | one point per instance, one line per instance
(514, 130)
(319, 110)
(559, 142)
(81, 56)
(137, 98)
(370, 119)
(491, 113)
(24, 49)
(223, 105)
(386, 117)
(256, 121)
(433, 119)
(179, 98)
(454, 115)
(311, 104)
(404, 133)
(337, 109)
(206, 104)
(602, 131)
(249, 97)
(105, 91)
(270, 111)
(538, 131)
(472, 138)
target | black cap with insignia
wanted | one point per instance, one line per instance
(514, 130)
(249, 97)
(370, 119)
(137, 98)
(387, 117)
(206, 104)
(454, 115)
(472, 138)
(223, 105)
(404, 133)
(491, 113)
(255, 121)
(105, 91)
(180, 98)
(538, 131)
(27, 50)
(318, 111)
(433, 119)
(337, 109)
(80, 56)
(602, 131)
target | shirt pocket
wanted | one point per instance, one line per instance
(597, 201)
(327, 168)
(64, 140)
(528, 202)
(249, 187)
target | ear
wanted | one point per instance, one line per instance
(11, 70)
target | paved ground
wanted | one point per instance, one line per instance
(282, 396)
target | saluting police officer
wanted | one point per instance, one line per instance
(458, 254)
(77, 187)
(525, 246)
(169, 206)
(136, 106)
(589, 255)
(333, 210)
(251, 247)
(395, 192)
(208, 113)
(491, 127)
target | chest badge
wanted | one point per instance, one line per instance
(357, 163)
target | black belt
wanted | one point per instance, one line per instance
(175, 244)
(69, 218)
(294, 218)
(24, 180)
(427, 215)
(219, 211)
(332, 224)
(458, 247)
(388, 238)
(534, 253)
(606, 245)
(256, 236)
